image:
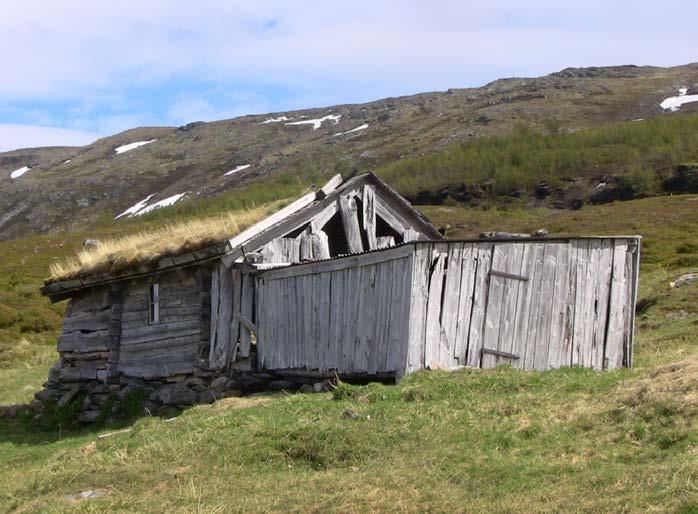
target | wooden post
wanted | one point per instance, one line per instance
(350, 221)
(369, 216)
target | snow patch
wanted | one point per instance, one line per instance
(68, 161)
(357, 129)
(240, 167)
(142, 207)
(171, 200)
(131, 146)
(276, 120)
(131, 211)
(674, 103)
(316, 123)
(18, 173)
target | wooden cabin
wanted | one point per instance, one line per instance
(350, 279)
(195, 313)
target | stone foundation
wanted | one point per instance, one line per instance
(101, 402)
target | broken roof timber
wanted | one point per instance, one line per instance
(401, 214)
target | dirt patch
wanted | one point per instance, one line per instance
(241, 402)
(677, 382)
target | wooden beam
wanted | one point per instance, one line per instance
(508, 275)
(499, 353)
(350, 221)
(369, 216)
(330, 186)
(246, 322)
(281, 214)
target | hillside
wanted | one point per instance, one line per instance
(72, 188)
(503, 440)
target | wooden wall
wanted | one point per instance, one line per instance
(531, 304)
(348, 315)
(171, 346)
(86, 339)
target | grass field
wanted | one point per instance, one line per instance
(472, 441)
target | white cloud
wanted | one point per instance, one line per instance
(29, 136)
(99, 56)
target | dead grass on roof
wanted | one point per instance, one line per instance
(145, 247)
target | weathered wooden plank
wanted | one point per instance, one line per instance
(535, 307)
(521, 322)
(320, 245)
(305, 245)
(88, 321)
(515, 284)
(602, 287)
(559, 349)
(451, 301)
(385, 242)
(493, 310)
(79, 342)
(634, 246)
(369, 216)
(545, 308)
(400, 325)
(465, 292)
(411, 235)
(158, 336)
(156, 330)
(281, 214)
(481, 289)
(616, 336)
(350, 222)
(347, 262)
(582, 307)
(156, 369)
(247, 299)
(320, 220)
(433, 323)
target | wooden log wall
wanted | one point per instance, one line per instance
(86, 339)
(533, 305)
(346, 315)
(172, 345)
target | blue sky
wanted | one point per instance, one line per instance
(74, 71)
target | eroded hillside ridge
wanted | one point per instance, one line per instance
(140, 170)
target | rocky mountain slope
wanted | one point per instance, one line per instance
(47, 189)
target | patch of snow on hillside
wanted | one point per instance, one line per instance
(170, 200)
(18, 173)
(240, 167)
(131, 211)
(68, 161)
(360, 127)
(131, 146)
(316, 123)
(674, 103)
(276, 120)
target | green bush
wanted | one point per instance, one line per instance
(523, 158)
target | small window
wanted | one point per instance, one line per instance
(154, 304)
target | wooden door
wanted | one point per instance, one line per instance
(527, 314)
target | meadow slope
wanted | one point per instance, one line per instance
(498, 440)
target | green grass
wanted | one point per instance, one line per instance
(476, 441)
(523, 158)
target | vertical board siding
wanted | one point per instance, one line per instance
(529, 304)
(533, 305)
(351, 320)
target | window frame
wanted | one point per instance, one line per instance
(154, 304)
